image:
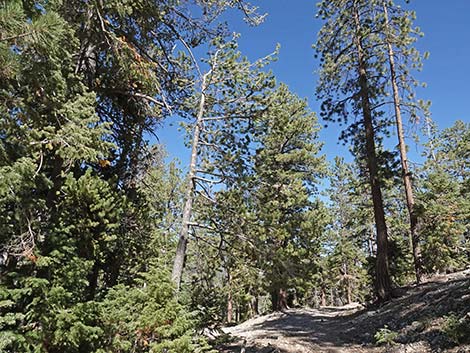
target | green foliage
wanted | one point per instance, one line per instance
(287, 165)
(147, 317)
(264, 229)
(443, 200)
(344, 265)
(89, 210)
(385, 336)
(338, 88)
(457, 329)
(81, 83)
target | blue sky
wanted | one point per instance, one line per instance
(292, 24)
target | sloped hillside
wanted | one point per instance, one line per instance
(432, 317)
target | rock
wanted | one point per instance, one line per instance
(212, 333)
(415, 347)
(417, 326)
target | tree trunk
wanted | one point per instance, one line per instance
(229, 308)
(279, 299)
(57, 181)
(348, 284)
(93, 281)
(349, 291)
(406, 174)
(316, 300)
(383, 282)
(229, 299)
(178, 264)
(255, 305)
(370, 241)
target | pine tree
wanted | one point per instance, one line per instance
(443, 200)
(262, 234)
(399, 37)
(346, 262)
(231, 94)
(50, 135)
(81, 84)
(350, 84)
(287, 166)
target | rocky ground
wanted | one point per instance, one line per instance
(431, 317)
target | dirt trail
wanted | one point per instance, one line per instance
(416, 316)
(300, 330)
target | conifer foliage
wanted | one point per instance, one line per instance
(366, 57)
(107, 246)
(82, 85)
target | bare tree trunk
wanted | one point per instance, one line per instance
(348, 284)
(255, 305)
(316, 300)
(229, 299)
(406, 174)
(370, 241)
(349, 291)
(178, 264)
(253, 308)
(383, 281)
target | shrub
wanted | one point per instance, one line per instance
(457, 329)
(385, 336)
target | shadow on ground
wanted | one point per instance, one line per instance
(416, 316)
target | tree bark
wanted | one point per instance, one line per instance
(348, 278)
(229, 299)
(349, 291)
(178, 264)
(254, 305)
(370, 241)
(382, 281)
(279, 299)
(406, 174)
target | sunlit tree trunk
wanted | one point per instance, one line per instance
(178, 264)
(383, 282)
(406, 174)
(229, 299)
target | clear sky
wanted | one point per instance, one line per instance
(446, 27)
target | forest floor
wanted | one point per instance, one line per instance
(418, 321)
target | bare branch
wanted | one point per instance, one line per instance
(209, 180)
(41, 158)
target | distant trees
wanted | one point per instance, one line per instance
(443, 200)
(349, 245)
